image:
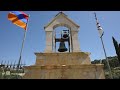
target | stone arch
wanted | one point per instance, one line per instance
(57, 28)
(61, 20)
(61, 24)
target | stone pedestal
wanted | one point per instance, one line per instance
(65, 72)
(75, 65)
(74, 58)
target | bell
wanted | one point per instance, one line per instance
(62, 47)
(65, 34)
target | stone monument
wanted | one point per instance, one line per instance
(73, 64)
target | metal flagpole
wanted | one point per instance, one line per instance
(21, 49)
(106, 59)
(99, 28)
(22, 45)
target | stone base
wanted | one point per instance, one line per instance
(66, 58)
(74, 65)
(91, 71)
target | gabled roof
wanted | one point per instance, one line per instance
(61, 14)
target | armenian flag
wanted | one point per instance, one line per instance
(18, 18)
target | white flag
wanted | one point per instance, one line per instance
(101, 32)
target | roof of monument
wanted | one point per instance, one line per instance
(57, 16)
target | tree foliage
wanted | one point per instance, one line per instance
(117, 48)
(114, 64)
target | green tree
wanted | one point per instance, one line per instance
(117, 48)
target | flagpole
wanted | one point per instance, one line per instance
(107, 59)
(104, 50)
(22, 48)
(22, 45)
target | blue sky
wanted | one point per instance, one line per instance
(11, 36)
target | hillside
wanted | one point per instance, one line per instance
(114, 64)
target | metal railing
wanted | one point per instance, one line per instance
(11, 71)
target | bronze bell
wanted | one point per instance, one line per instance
(62, 47)
(65, 34)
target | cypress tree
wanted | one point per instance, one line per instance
(117, 48)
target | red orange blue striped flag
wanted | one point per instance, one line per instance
(18, 18)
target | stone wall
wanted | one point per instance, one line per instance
(65, 72)
(74, 58)
(75, 65)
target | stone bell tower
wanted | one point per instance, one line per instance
(68, 63)
(62, 20)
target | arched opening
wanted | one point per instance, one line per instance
(57, 34)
